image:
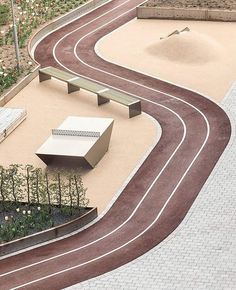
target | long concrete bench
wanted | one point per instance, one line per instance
(48, 72)
(104, 94)
(77, 83)
(132, 103)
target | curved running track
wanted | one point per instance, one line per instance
(195, 133)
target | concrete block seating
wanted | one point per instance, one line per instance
(104, 94)
(10, 118)
(79, 140)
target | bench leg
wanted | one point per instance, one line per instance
(134, 109)
(43, 77)
(102, 100)
(72, 88)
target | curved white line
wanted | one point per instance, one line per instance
(123, 245)
(163, 208)
(157, 176)
(86, 24)
(132, 214)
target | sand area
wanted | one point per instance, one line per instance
(202, 59)
(48, 104)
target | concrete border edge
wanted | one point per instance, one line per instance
(49, 234)
(185, 13)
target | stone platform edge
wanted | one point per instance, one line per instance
(49, 234)
(185, 13)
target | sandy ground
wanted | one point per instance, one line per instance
(48, 104)
(203, 59)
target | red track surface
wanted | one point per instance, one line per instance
(195, 133)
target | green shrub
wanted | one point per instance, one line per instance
(8, 77)
(4, 14)
(31, 199)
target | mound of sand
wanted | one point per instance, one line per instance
(187, 47)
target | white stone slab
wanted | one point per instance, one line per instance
(10, 118)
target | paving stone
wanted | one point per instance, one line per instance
(201, 252)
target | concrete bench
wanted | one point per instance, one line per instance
(77, 83)
(48, 72)
(132, 103)
(74, 83)
(104, 94)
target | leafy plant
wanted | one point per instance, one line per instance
(4, 14)
(48, 194)
(58, 187)
(8, 76)
(29, 15)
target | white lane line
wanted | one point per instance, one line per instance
(130, 241)
(132, 214)
(208, 130)
(112, 201)
(91, 21)
(81, 15)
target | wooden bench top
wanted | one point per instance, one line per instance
(57, 73)
(119, 97)
(87, 84)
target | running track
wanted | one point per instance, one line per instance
(195, 133)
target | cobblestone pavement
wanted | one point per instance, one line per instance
(201, 253)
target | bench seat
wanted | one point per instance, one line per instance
(104, 94)
(76, 84)
(48, 72)
(118, 97)
(132, 103)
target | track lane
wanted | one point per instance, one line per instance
(165, 146)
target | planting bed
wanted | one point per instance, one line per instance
(53, 227)
(29, 15)
(17, 222)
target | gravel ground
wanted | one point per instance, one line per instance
(28, 14)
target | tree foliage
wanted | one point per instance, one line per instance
(28, 184)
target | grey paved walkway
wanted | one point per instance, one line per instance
(201, 253)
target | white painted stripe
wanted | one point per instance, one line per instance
(81, 14)
(132, 214)
(91, 21)
(157, 177)
(112, 201)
